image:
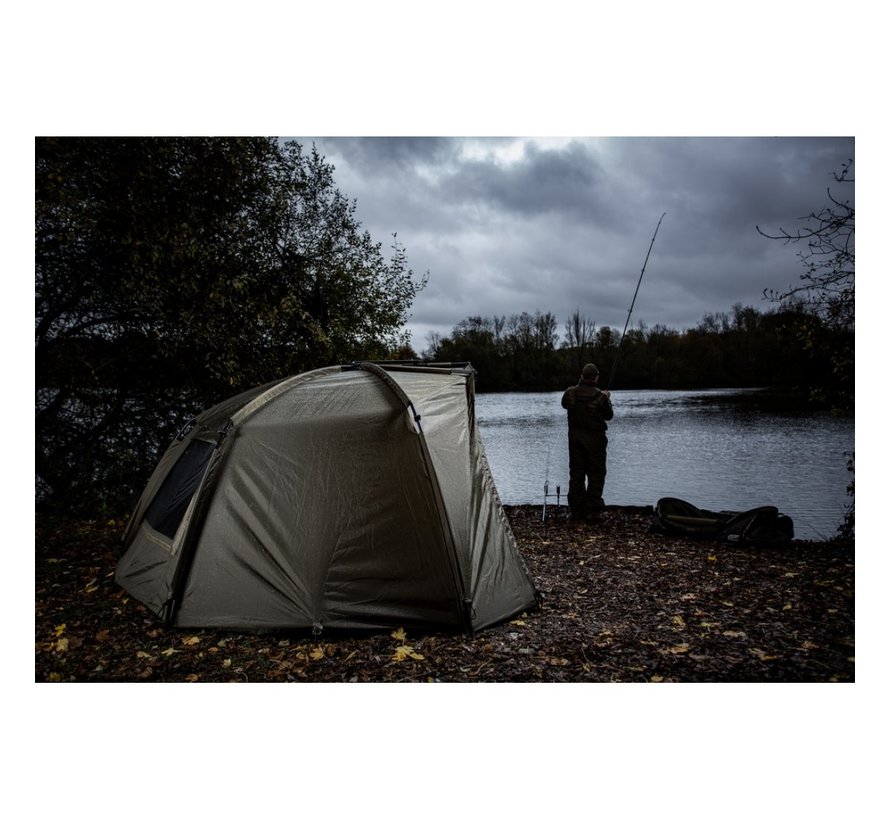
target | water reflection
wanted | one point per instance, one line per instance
(703, 446)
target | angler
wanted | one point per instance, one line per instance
(588, 409)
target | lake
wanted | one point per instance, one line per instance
(714, 448)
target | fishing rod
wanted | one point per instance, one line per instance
(631, 310)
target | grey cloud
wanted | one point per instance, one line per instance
(556, 227)
(543, 181)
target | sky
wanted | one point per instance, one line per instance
(503, 225)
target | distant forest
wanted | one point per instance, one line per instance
(788, 349)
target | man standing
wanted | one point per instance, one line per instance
(588, 409)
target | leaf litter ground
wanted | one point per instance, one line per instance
(617, 603)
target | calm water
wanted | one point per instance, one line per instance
(701, 446)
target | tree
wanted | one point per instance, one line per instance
(171, 273)
(827, 286)
(580, 336)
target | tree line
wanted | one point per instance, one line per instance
(787, 348)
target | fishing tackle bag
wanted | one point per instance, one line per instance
(755, 526)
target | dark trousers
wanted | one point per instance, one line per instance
(587, 471)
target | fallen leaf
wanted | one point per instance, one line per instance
(679, 649)
(403, 652)
(168, 652)
(809, 645)
(191, 678)
(102, 636)
(763, 655)
(398, 634)
(62, 645)
(678, 621)
(317, 654)
(518, 623)
(192, 641)
(734, 633)
(656, 679)
(60, 630)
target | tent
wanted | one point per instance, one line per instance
(350, 497)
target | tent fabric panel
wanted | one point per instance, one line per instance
(501, 586)
(322, 516)
(146, 569)
(496, 579)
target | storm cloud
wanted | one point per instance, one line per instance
(505, 225)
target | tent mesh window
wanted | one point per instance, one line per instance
(169, 505)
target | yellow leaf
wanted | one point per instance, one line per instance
(60, 630)
(679, 649)
(712, 557)
(192, 641)
(398, 634)
(227, 663)
(62, 645)
(786, 607)
(191, 678)
(142, 654)
(317, 654)
(403, 652)
(656, 679)
(679, 622)
(518, 623)
(168, 652)
(55, 677)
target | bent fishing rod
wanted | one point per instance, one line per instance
(633, 301)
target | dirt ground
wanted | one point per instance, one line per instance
(617, 603)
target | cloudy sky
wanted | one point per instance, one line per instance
(505, 225)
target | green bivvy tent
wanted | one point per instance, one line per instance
(356, 496)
